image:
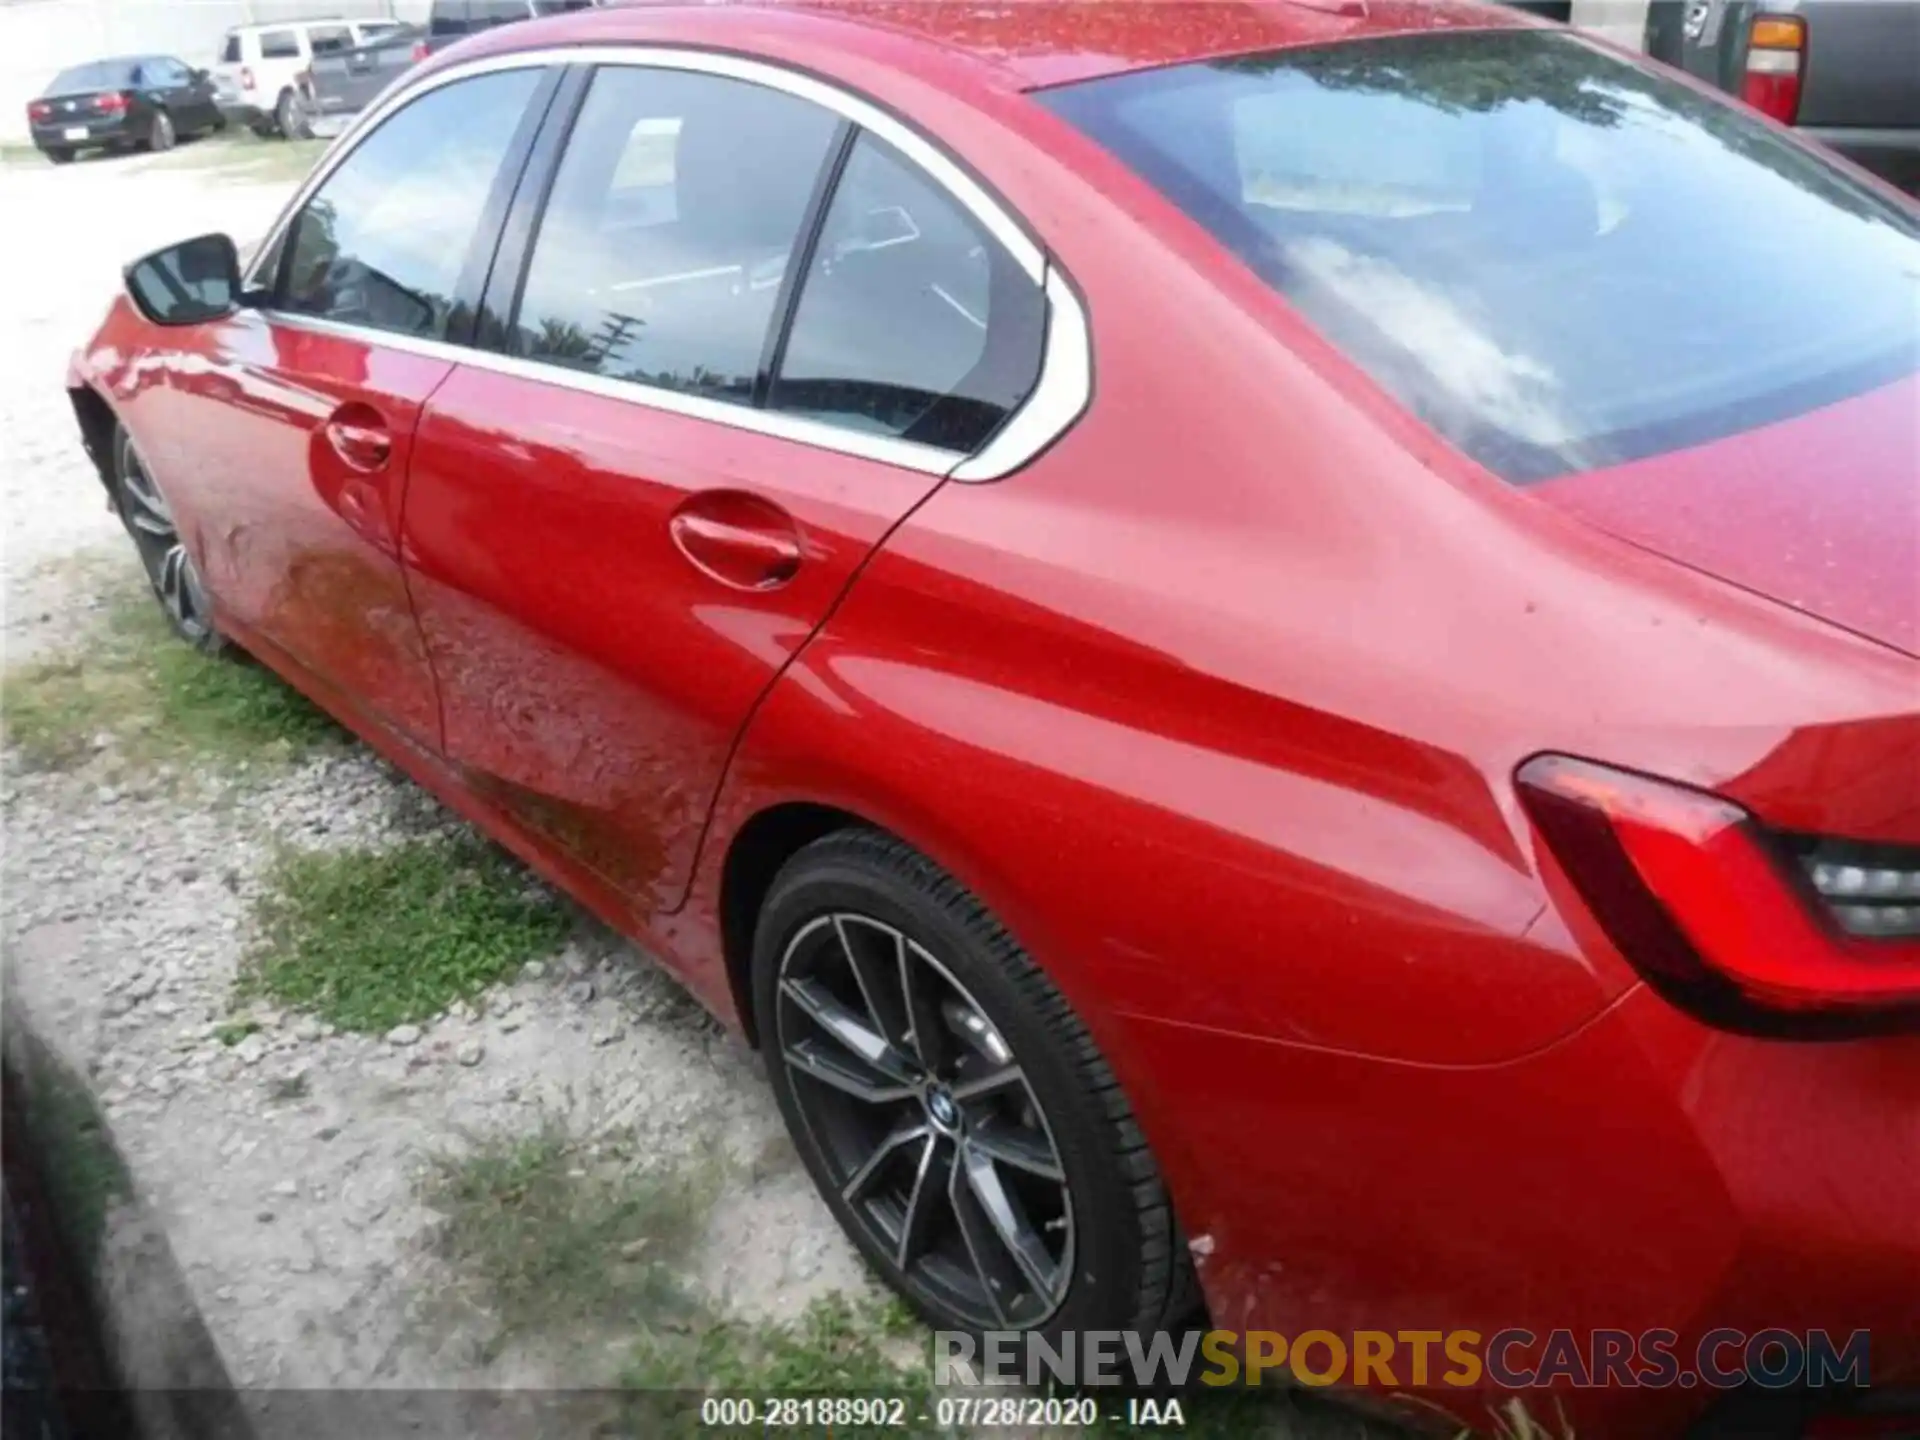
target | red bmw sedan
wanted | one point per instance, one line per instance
(1269, 650)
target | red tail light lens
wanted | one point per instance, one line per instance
(246, 78)
(419, 51)
(112, 104)
(1776, 62)
(1706, 905)
(39, 110)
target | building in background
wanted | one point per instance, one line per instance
(41, 37)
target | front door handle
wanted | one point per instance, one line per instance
(361, 446)
(739, 539)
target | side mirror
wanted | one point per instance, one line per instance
(189, 283)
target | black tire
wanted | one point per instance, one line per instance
(59, 156)
(219, 125)
(160, 132)
(143, 509)
(289, 116)
(1117, 1260)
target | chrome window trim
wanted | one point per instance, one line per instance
(778, 424)
(1059, 397)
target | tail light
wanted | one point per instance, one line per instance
(1776, 63)
(112, 103)
(39, 110)
(1748, 930)
(1872, 890)
(419, 52)
(246, 77)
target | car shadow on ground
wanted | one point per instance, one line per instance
(112, 1343)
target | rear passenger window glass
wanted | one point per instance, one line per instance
(913, 322)
(383, 241)
(673, 216)
(279, 45)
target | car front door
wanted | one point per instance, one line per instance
(295, 418)
(625, 523)
(188, 98)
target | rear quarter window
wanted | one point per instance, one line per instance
(1557, 259)
(279, 45)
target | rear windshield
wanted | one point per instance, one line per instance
(1556, 259)
(95, 75)
(230, 49)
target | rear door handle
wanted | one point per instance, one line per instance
(739, 539)
(362, 447)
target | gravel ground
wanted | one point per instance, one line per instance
(293, 1220)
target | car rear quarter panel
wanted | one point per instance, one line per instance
(1237, 674)
(1216, 705)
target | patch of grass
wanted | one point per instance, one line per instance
(239, 155)
(374, 939)
(836, 1348)
(155, 697)
(551, 1240)
(232, 1032)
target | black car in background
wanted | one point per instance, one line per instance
(132, 102)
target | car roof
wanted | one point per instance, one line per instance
(127, 60)
(1051, 42)
(1023, 44)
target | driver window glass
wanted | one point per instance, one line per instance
(383, 241)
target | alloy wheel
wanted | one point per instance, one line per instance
(161, 135)
(930, 1131)
(170, 569)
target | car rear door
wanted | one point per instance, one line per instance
(624, 523)
(290, 425)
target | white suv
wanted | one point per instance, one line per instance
(256, 77)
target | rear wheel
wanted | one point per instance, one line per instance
(149, 519)
(952, 1109)
(290, 116)
(160, 133)
(60, 156)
